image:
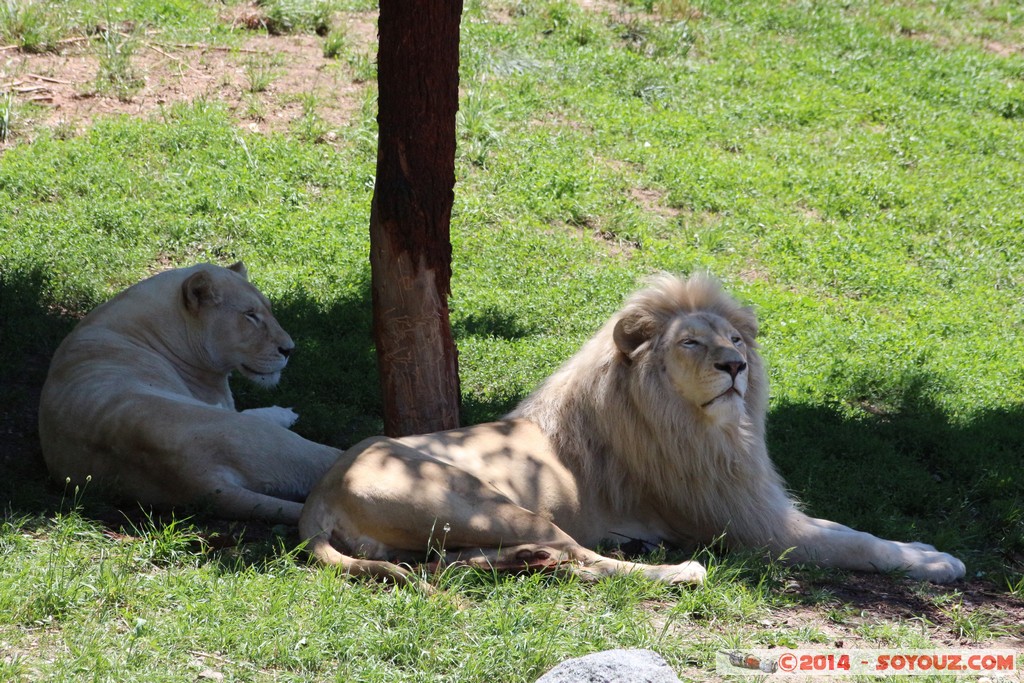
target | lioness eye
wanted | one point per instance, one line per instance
(252, 317)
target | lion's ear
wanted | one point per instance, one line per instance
(239, 268)
(632, 331)
(198, 290)
(745, 322)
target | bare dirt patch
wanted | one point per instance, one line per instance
(268, 82)
(654, 201)
(997, 47)
(1002, 49)
(970, 614)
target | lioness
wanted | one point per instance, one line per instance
(654, 431)
(137, 399)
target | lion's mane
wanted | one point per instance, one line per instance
(615, 420)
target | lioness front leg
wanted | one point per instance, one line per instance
(284, 417)
(830, 544)
(385, 501)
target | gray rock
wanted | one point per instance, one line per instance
(613, 666)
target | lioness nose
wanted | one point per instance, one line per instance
(733, 367)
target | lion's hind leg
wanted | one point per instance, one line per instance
(385, 500)
(574, 559)
(324, 551)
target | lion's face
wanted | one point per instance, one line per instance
(691, 338)
(706, 361)
(234, 325)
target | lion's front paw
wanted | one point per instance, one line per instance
(686, 572)
(936, 567)
(284, 417)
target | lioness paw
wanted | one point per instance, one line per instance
(284, 417)
(917, 545)
(936, 567)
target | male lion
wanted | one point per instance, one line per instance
(137, 399)
(653, 431)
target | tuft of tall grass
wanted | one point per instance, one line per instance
(33, 25)
(311, 126)
(291, 16)
(7, 104)
(117, 73)
(261, 71)
(335, 43)
(478, 127)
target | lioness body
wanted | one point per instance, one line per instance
(654, 431)
(137, 400)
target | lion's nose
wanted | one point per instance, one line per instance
(733, 367)
(285, 350)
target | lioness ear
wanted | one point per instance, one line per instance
(239, 268)
(631, 332)
(198, 291)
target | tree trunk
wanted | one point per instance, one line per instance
(410, 215)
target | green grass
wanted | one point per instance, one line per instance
(335, 43)
(7, 116)
(290, 16)
(116, 71)
(30, 25)
(260, 73)
(38, 26)
(853, 171)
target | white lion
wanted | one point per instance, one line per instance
(653, 431)
(137, 400)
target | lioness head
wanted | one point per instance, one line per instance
(701, 340)
(231, 326)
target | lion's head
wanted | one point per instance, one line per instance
(230, 325)
(670, 387)
(688, 335)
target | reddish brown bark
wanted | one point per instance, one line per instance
(410, 215)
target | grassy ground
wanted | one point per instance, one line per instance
(853, 171)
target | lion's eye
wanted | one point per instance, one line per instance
(737, 339)
(689, 343)
(252, 317)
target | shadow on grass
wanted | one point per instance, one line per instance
(909, 474)
(912, 475)
(492, 322)
(30, 330)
